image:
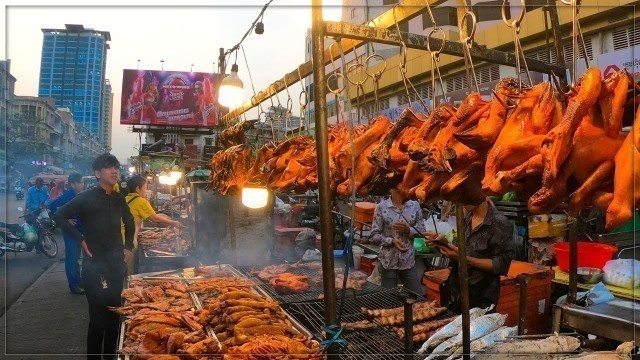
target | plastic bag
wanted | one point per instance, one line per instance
(312, 255)
(621, 273)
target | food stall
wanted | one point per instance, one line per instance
(343, 161)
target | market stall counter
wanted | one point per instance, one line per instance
(612, 320)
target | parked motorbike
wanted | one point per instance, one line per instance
(19, 192)
(35, 233)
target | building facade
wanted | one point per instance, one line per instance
(107, 113)
(72, 71)
(7, 90)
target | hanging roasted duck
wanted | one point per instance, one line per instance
(236, 134)
(230, 169)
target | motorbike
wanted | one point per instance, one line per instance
(35, 233)
(19, 192)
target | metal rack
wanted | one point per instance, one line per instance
(312, 294)
(379, 342)
(349, 38)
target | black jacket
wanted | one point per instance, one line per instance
(101, 216)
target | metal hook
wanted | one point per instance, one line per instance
(378, 73)
(336, 75)
(556, 82)
(468, 42)
(474, 20)
(443, 40)
(516, 22)
(356, 65)
(507, 105)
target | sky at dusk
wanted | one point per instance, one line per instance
(180, 33)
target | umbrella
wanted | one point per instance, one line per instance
(199, 173)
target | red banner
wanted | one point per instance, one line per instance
(170, 98)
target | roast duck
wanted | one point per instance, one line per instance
(524, 139)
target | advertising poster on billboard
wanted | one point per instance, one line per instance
(169, 98)
(629, 58)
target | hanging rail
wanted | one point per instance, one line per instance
(421, 42)
(404, 11)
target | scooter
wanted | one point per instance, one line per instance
(19, 192)
(35, 233)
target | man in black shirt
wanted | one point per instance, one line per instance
(101, 211)
(490, 249)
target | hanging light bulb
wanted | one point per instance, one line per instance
(231, 90)
(254, 197)
(175, 172)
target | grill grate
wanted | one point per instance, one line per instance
(315, 287)
(381, 342)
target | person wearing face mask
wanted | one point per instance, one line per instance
(489, 248)
(395, 223)
(142, 210)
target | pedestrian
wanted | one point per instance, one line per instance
(141, 210)
(101, 211)
(395, 221)
(72, 247)
(37, 196)
(57, 189)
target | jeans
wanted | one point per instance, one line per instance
(408, 278)
(102, 334)
(72, 255)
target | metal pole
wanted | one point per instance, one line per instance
(557, 39)
(221, 62)
(408, 326)
(464, 286)
(573, 259)
(523, 281)
(322, 146)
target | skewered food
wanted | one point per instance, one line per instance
(421, 332)
(378, 313)
(418, 315)
(359, 325)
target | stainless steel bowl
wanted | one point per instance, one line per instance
(588, 275)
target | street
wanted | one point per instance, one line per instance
(20, 270)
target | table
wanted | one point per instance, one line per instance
(562, 277)
(612, 320)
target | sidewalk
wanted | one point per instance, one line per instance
(47, 321)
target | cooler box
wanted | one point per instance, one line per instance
(364, 213)
(433, 280)
(538, 296)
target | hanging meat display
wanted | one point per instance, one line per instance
(522, 140)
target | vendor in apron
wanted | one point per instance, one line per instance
(142, 210)
(490, 249)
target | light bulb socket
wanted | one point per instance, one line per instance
(234, 68)
(260, 28)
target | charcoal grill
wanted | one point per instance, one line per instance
(313, 292)
(377, 343)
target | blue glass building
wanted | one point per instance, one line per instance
(72, 71)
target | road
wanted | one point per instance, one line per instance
(20, 270)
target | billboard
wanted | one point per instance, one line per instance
(169, 98)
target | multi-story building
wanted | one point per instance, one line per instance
(72, 72)
(107, 113)
(7, 87)
(609, 32)
(34, 131)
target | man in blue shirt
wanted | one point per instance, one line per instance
(37, 196)
(72, 247)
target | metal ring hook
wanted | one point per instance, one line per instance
(444, 39)
(340, 88)
(333, 64)
(474, 21)
(516, 22)
(356, 65)
(378, 73)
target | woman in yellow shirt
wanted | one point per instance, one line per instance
(142, 210)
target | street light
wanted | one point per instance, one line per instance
(231, 90)
(175, 173)
(132, 169)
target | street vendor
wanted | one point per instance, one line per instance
(141, 210)
(395, 223)
(490, 249)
